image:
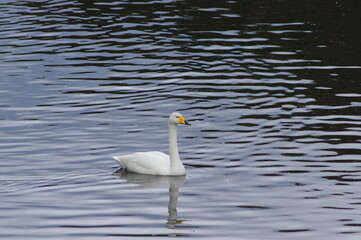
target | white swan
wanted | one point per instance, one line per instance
(158, 163)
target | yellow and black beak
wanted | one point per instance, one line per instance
(183, 121)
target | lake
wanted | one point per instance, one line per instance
(272, 90)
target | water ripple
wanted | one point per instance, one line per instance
(273, 96)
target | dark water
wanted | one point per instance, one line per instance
(272, 89)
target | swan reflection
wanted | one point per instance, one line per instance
(173, 183)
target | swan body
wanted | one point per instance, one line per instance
(158, 163)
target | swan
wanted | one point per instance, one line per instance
(158, 163)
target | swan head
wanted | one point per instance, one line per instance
(176, 118)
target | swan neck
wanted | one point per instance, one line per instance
(173, 145)
(176, 165)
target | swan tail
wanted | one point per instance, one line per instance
(119, 160)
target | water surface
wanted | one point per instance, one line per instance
(272, 91)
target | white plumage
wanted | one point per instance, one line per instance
(158, 163)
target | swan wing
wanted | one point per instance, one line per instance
(154, 163)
